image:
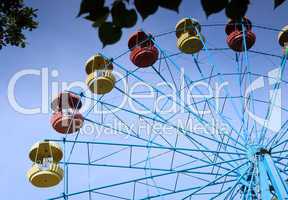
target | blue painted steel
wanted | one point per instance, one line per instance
(277, 181)
(264, 181)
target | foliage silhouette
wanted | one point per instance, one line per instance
(121, 16)
(15, 17)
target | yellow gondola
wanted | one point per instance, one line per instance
(45, 149)
(45, 171)
(189, 37)
(40, 177)
(101, 84)
(97, 62)
(100, 79)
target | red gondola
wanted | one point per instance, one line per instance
(143, 52)
(67, 123)
(66, 118)
(236, 35)
(66, 100)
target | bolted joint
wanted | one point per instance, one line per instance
(263, 151)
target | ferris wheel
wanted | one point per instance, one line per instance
(175, 125)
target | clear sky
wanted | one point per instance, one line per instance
(64, 42)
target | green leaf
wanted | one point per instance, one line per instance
(212, 6)
(109, 33)
(122, 17)
(278, 3)
(146, 7)
(122, 0)
(170, 4)
(90, 6)
(98, 17)
(15, 19)
(131, 18)
(237, 9)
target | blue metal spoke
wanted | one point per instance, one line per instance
(155, 176)
(168, 123)
(215, 180)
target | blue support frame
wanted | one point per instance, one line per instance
(276, 180)
(264, 180)
(65, 192)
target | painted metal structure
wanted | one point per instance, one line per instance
(244, 161)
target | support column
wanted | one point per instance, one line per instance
(65, 192)
(275, 178)
(264, 180)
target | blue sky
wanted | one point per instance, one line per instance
(64, 42)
